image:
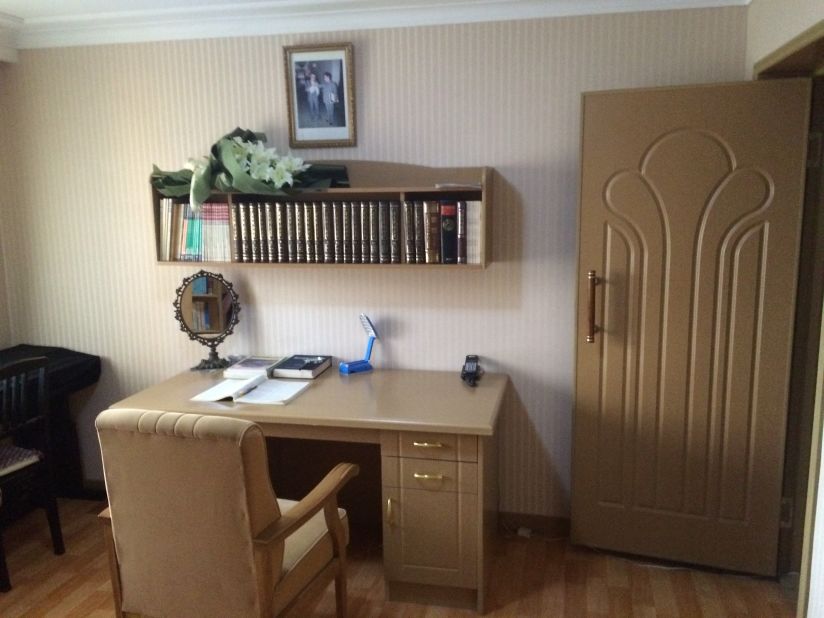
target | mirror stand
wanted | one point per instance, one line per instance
(206, 306)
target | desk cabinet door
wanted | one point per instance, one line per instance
(430, 537)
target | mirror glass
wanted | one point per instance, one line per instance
(207, 309)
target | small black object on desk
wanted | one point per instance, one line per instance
(67, 372)
(471, 371)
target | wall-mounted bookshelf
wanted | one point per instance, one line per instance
(392, 215)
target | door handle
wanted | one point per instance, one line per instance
(390, 513)
(592, 328)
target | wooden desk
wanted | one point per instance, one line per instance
(438, 463)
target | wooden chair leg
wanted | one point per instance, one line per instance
(5, 582)
(53, 516)
(341, 600)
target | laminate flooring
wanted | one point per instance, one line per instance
(531, 577)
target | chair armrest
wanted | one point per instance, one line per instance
(323, 494)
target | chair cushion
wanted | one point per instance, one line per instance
(13, 458)
(307, 550)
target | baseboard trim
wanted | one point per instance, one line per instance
(543, 525)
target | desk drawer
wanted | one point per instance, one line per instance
(443, 446)
(430, 474)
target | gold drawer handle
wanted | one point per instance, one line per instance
(428, 477)
(428, 444)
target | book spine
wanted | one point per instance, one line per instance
(432, 240)
(366, 235)
(357, 247)
(280, 228)
(309, 231)
(409, 231)
(420, 234)
(383, 232)
(317, 214)
(395, 232)
(337, 224)
(300, 234)
(328, 233)
(262, 238)
(235, 223)
(346, 225)
(271, 238)
(374, 233)
(245, 237)
(473, 232)
(254, 240)
(449, 233)
(291, 240)
(461, 232)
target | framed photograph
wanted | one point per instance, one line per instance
(320, 89)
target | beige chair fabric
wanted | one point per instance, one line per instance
(187, 495)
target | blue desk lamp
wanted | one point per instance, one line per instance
(358, 366)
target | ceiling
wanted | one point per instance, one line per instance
(54, 23)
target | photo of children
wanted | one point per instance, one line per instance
(319, 86)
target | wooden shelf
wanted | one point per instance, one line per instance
(373, 181)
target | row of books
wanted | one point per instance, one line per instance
(202, 319)
(341, 232)
(189, 234)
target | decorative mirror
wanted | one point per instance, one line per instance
(206, 307)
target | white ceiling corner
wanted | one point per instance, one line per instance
(26, 24)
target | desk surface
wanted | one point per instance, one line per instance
(436, 401)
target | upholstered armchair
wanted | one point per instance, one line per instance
(194, 528)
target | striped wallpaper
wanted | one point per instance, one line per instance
(85, 125)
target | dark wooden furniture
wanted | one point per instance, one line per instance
(67, 372)
(24, 419)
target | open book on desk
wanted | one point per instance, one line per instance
(256, 389)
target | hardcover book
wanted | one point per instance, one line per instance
(245, 238)
(432, 238)
(337, 226)
(420, 234)
(254, 241)
(300, 234)
(383, 232)
(251, 366)
(461, 232)
(449, 233)
(317, 221)
(263, 241)
(236, 246)
(409, 231)
(395, 232)
(309, 231)
(346, 229)
(366, 234)
(301, 366)
(291, 239)
(374, 233)
(357, 248)
(280, 229)
(328, 233)
(271, 238)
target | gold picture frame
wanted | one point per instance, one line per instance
(320, 95)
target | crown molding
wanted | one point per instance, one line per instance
(297, 16)
(9, 28)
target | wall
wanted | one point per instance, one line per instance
(5, 180)
(91, 121)
(772, 23)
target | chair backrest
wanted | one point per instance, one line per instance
(23, 400)
(187, 493)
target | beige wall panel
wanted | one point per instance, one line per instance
(772, 23)
(90, 121)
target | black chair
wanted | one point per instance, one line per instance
(25, 465)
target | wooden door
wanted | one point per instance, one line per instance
(690, 217)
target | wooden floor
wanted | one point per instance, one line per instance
(532, 577)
